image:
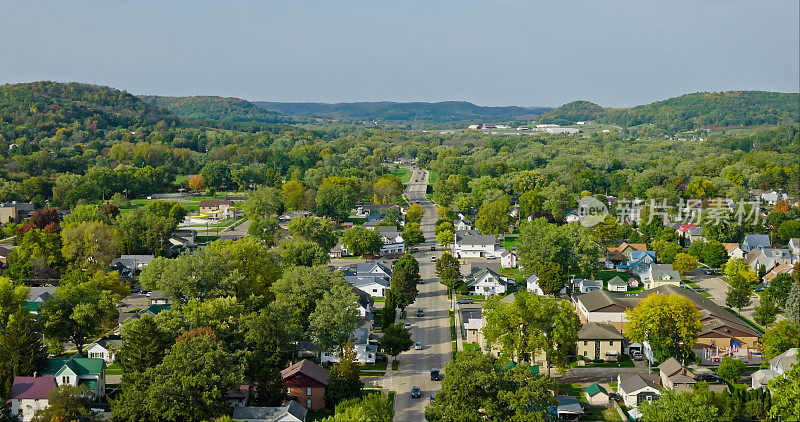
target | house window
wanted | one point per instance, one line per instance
(288, 390)
(611, 343)
(308, 391)
(65, 380)
(585, 342)
(308, 403)
(584, 352)
(649, 398)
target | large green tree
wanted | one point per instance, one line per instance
(780, 337)
(405, 277)
(319, 230)
(90, 245)
(669, 323)
(449, 270)
(303, 252)
(362, 241)
(344, 382)
(66, 403)
(301, 288)
(374, 407)
(698, 405)
(335, 201)
(396, 339)
(412, 234)
(334, 318)
(143, 345)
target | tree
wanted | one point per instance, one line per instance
(387, 189)
(335, 201)
(412, 234)
(21, 347)
(552, 278)
(738, 266)
(738, 295)
(143, 345)
(493, 217)
(344, 382)
(362, 241)
(697, 405)
(190, 383)
(477, 389)
(670, 323)
(91, 245)
(779, 288)
(766, 311)
(667, 252)
(792, 308)
(196, 182)
(294, 195)
(66, 403)
(88, 212)
(334, 318)
(714, 254)
(572, 247)
(530, 326)
(730, 369)
(445, 237)
(786, 395)
(684, 263)
(414, 213)
(303, 252)
(263, 203)
(449, 270)
(405, 277)
(374, 407)
(780, 337)
(216, 174)
(300, 288)
(270, 338)
(78, 312)
(264, 229)
(317, 229)
(12, 298)
(396, 339)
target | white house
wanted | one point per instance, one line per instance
(755, 241)
(635, 389)
(533, 285)
(389, 249)
(485, 281)
(734, 251)
(390, 234)
(90, 372)
(794, 247)
(587, 286)
(338, 251)
(374, 268)
(365, 352)
(617, 284)
(470, 244)
(778, 367)
(508, 259)
(661, 275)
(29, 394)
(374, 285)
(772, 197)
(105, 348)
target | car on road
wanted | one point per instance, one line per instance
(433, 248)
(417, 346)
(708, 272)
(407, 326)
(464, 300)
(416, 392)
(435, 374)
(420, 312)
(707, 377)
(433, 259)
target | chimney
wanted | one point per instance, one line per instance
(34, 374)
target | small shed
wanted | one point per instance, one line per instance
(596, 395)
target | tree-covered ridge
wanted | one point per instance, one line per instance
(39, 109)
(691, 111)
(226, 109)
(441, 112)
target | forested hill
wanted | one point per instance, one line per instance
(691, 111)
(40, 109)
(392, 112)
(217, 108)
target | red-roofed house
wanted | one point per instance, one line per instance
(29, 394)
(307, 382)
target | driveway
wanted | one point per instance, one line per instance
(718, 289)
(432, 330)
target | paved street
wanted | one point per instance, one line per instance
(432, 330)
(718, 289)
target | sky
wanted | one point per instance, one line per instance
(490, 52)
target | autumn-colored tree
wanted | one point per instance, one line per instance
(197, 182)
(670, 323)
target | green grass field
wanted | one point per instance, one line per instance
(432, 177)
(403, 174)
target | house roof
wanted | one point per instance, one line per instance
(617, 281)
(40, 293)
(290, 411)
(594, 388)
(663, 272)
(568, 404)
(370, 267)
(307, 368)
(477, 276)
(5, 252)
(80, 366)
(599, 299)
(763, 376)
(598, 284)
(598, 331)
(639, 255)
(785, 360)
(32, 387)
(365, 280)
(671, 367)
(635, 382)
(112, 340)
(470, 237)
(794, 244)
(123, 316)
(755, 240)
(780, 269)
(730, 246)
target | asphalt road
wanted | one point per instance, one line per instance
(432, 330)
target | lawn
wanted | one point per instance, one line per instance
(114, 369)
(509, 242)
(599, 414)
(452, 326)
(403, 174)
(375, 370)
(626, 363)
(606, 275)
(432, 177)
(469, 347)
(573, 390)
(514, 274)
(475, 298)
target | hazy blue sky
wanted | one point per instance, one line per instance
(535, 52)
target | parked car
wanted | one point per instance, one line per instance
(707, 377)
(636, 355)
(417, 346)
(433, 259)
(435, 374)
(407, 326)
(415, 392)
(432, 398)
(614, 396)
(420, 312)
(464, 300)
(708, 272)
(433, 248)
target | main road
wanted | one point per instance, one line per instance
(432, 330)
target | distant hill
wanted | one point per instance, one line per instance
(421, 112)
(216, 108)
(41, 108)
(690, 111)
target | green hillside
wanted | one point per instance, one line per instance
(691, 111)
(216, 108)
(422, 112)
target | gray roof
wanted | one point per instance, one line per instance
(365, 280)
(597, 331)
(568, 404)
(785, 360)
(598, 284)
(663, 272)
(599, 299)
(41, 293)
(794, 244)
(112, 340)
(755, 240)
(482, 272)
(360, 336)
(617, 281)
(470, 237)
(635, 382)
(369, 268)
(470, 313)
(477, 266)
(291, 411)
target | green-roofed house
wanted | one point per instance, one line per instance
(156, 309)
(617, 284)
(90, 372)
(596, 395)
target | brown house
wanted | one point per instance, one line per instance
(211, 206)
(306, 382)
